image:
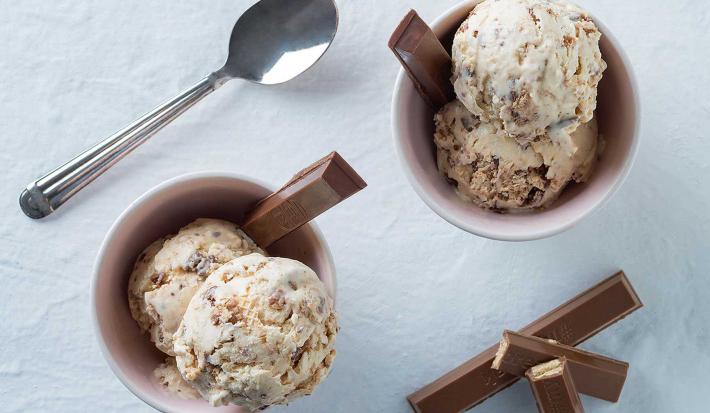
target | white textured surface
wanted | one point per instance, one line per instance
(416, 296)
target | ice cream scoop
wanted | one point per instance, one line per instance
(167, 274)
(529, 64)
(260, 331)
(492, 170)
(170, 270)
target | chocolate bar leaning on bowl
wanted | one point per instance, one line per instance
(308, 194)
(553, 387)
(424, 59)
(593, 374)
(571, 323)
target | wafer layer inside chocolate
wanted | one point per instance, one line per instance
(553, 387)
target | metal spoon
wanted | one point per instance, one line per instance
(272, 42)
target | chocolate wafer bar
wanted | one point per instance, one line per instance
(424, 58)
(308, 194)
(571, 323)
(594, 374)
(553, 387)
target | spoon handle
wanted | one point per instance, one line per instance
(49, 192)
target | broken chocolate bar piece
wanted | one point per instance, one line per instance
(571, 323)
(308, 194)
(593, 374)
(553, 387)
(424, 58)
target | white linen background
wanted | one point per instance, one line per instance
(416, 296)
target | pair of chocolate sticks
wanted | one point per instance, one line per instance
(519, 353)
(556, 372)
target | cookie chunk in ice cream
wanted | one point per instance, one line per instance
(492, 170)
(530, 64)
(260, 331)
(168, 375)
(170, 270)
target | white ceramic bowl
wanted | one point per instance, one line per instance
(618, 116)
(161, 211)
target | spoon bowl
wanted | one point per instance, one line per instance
(275, 40)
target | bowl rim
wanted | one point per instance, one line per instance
(149, 194)
(472, 226)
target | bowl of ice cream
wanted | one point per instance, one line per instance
(193, 316)
(543, 126)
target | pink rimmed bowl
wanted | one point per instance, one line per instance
(161, 211)
(618, 117)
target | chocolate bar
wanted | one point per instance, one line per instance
(308, 194)
(553, 387)
(571, 323)
(424, 58)
(593, 374)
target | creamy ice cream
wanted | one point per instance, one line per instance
(529, 64)
(169, 377)
(493, 170)
(168, 272)
(525, 73)
(260, 331)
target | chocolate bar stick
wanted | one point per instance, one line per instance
(553, 387)
(571, 323)
(593, 374)
(424, 58)
(308, 194)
